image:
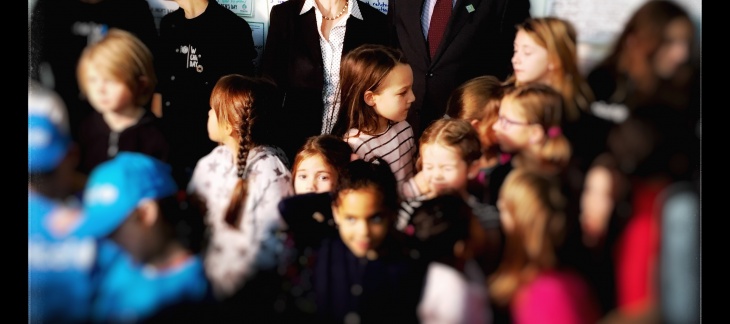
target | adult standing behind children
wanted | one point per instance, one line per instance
(306, 42)
(450, 43)
(118, 78)
(199, 42)
(61, 29)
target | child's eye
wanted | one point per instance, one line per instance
(350, 219)
(376, 219)
(324, 178)
(301, 176)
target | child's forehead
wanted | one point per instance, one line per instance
(511, 105)
(360, 198)
(364, 192)
(98, 66)
(315, 158)
(438, 148)
(400, 73)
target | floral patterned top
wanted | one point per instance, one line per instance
(234, 254)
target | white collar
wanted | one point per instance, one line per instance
(352, 8)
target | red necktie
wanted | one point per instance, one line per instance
(437, 27)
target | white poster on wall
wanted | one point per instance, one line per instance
(160, 8)
(381, 5)
(258, 40)
(242, 8)
(272, 3)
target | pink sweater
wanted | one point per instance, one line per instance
(555, 297)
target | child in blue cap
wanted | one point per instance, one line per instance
(60, 262)
(131, 200)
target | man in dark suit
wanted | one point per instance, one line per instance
(477, 40)
(293, 59)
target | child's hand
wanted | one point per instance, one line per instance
(422, 181)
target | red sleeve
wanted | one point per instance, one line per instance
(636, 253)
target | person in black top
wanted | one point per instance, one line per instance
(354, 266)
(117, 77)
(61, 29)
(199, 43)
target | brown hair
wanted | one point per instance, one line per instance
(244, 103)
(559, 38)
(479, 99)
(537, 207)
(376, 175)
(124, 57)
(648, 24)
(543, 105)
(363, 69)
(333, 150)
(453, 133)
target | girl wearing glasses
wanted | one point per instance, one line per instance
(529, 127)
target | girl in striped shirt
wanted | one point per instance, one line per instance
(376, 93)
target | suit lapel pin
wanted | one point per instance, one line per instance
(470, 8)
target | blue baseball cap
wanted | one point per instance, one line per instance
(116, 187)
(48, 132)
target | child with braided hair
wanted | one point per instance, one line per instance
(241, 182)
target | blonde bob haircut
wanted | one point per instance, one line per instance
(123, 57)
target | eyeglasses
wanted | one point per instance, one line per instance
(506, 122)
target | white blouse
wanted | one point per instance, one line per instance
(331, 57)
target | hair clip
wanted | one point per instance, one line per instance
(554, 132)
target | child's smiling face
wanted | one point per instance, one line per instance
(362, 219)
(313, 174)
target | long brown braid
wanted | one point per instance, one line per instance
(248, 106)
(238, 199)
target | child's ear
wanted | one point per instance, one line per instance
(537, 133)
(144, 81)
(369, 98)
(473, 170)
(460, 249)
(335, 213)
(148, 212)
(228, 129)
(474, 123)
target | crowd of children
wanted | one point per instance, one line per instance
(529, 201)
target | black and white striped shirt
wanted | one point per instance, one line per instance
(396, 146)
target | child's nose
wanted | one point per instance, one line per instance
(437, 174)
(311, 185)
(496, 126)
(362, 229)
